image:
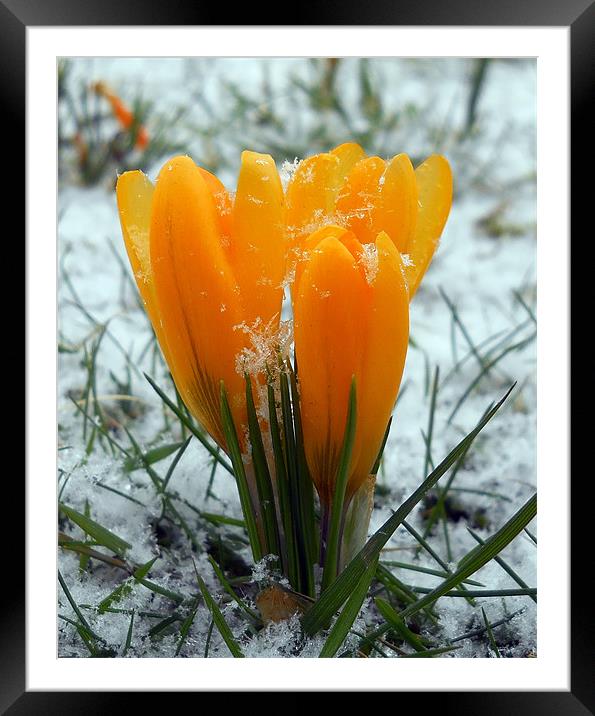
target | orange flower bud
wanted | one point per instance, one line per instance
(351, 306)
(209, 271)
(122, 113)
(367, 195)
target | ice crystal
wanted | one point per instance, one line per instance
(369, 261)
(288, 169)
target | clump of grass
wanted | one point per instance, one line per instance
(95, 140)
(405, 623)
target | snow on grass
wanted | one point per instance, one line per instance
(480, 274)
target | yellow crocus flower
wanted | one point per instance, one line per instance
(209, 268)
(351, 318)
(368, 195)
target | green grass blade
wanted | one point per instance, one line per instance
(101, 429)
(428, 653)
(428, 457)
(478, 632)
(289, 553)
(498, 339)
(400, 590)
(262, 475)
(84, 558)
(229, 589)
(483, 593)
(155, 479)
(517, 346)
(483, 493)
(321, 613)
(457, 320)
(239, 472)
(140, 574)
(517, 294)
(291, 462)
(85, 636)
(218, 618)
(185, 628)
(83, 622)
(184, 420)
(491, 635)
(144, 569)
(164, 624)
(208, 639)
(337, 511)
(376, 466)
(125, 588)
(116, 595)
(507, 568)
(348, 614)
(305, 495)
(151, 456)
(100, 534)
(103, 486)
(175, 597)
(128, 641)
(425, 570)
(398, 625)
(414, 533)
(209, 491)
(439, 508)
(480, 556)
(222, 519)
(174, 462)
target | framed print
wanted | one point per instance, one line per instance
(310, 291)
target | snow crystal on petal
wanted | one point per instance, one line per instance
(369, 261)
(288, 169)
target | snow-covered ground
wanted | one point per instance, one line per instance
(485, 266)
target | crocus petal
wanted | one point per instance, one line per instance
(313, 191)
(397, 211)
(223, 203)
(258, 248)
(349, 154)
(329, 330)
(311, 194)
(134, 193)
(434, 183)
(196, 291)
(359, 198)
(309, 245)
(384, 355)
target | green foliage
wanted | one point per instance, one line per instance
(94, 144)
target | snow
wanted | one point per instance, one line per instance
(494, 169)
(287, 170)
(369, 261)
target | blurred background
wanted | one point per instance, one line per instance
(471, 109)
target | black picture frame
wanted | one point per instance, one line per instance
(579, 16)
